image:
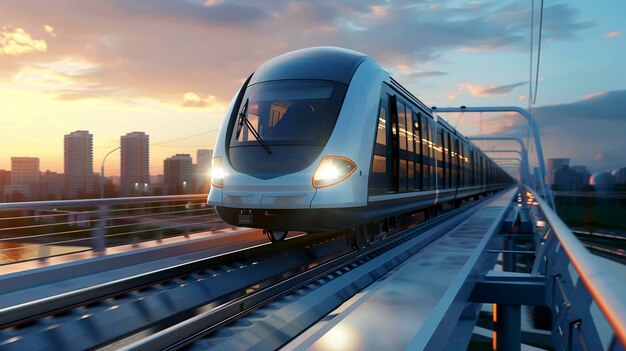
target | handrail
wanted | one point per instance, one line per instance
(99, 202)
(607, 292)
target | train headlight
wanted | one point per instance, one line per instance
(332, 170)
(217, 172)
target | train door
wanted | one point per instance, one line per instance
(426, 152)
(382, 178)
(457, 163)
(419, 151)
(394, 142)
(400, 134)
(441, 169)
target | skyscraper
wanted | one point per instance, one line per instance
(178, 174)
(203, 170)
(24, 179)
(135, 163)
(78, 164)
(553, 165)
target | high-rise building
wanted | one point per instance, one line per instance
(5, 179)
(202, 172)
(52, 184)
(178, 174)
(135, 163)
(553, 165)
(584, 173)
(567, 179)
(24, 179)
(78, 164)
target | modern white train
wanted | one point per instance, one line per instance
(323, 138)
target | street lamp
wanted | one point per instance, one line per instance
(102, 172)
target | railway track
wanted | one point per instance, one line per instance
(177, 306)
(608, 245)
(158, 297)
(293, 304)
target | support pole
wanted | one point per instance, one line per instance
(98, 243)
(508, 327)
(102, 172)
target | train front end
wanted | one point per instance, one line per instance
(290, 153)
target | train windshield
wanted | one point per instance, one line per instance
(289, 112)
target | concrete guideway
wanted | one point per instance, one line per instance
(416, 306)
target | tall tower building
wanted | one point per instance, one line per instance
(178, 174)
(553, 165)
(203, 170)
(24, 179)
(135, 163)
(78, 164)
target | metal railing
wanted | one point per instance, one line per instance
(566, 263)
(48, 228)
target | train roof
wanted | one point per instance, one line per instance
(325, 62)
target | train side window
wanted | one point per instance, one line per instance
(441, 171)
(393, 143)
(410, 146)
(449, 160)
(380, 178)
(432, 158)
(457, 159)
(402, 138)
(417, 138)
(381, 131)
(402, 125)
(426, 150)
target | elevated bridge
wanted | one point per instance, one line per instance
(150, 273)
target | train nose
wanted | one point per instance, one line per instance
(287, 192)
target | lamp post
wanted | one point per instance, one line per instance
(102, 172)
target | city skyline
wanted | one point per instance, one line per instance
(68, 67)
(77, 151)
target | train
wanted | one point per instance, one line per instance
(324, 138)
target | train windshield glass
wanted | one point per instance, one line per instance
(292, 112)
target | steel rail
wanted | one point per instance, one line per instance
(606, 291)
(194, 328)
(38, 308)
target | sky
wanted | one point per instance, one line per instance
(170, 68)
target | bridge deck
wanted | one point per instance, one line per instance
(420, 298)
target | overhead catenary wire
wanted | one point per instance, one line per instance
(184, 138)
(530, 56)
(538, 53)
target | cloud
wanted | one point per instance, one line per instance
(612, 35)
(427, 74)
(210, 46)
(594, 95)
(19, 42)
(489, 90)
(589, 131)
(50, 30)
(191, 99)
(602, 106)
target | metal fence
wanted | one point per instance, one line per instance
(585, 293)
(40, 229)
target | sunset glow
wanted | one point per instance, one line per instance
(170, 69)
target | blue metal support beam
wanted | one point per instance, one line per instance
(510, 288)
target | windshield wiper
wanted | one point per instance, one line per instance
(243, 118)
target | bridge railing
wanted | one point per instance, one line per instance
(585, 293)
(40, 229)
